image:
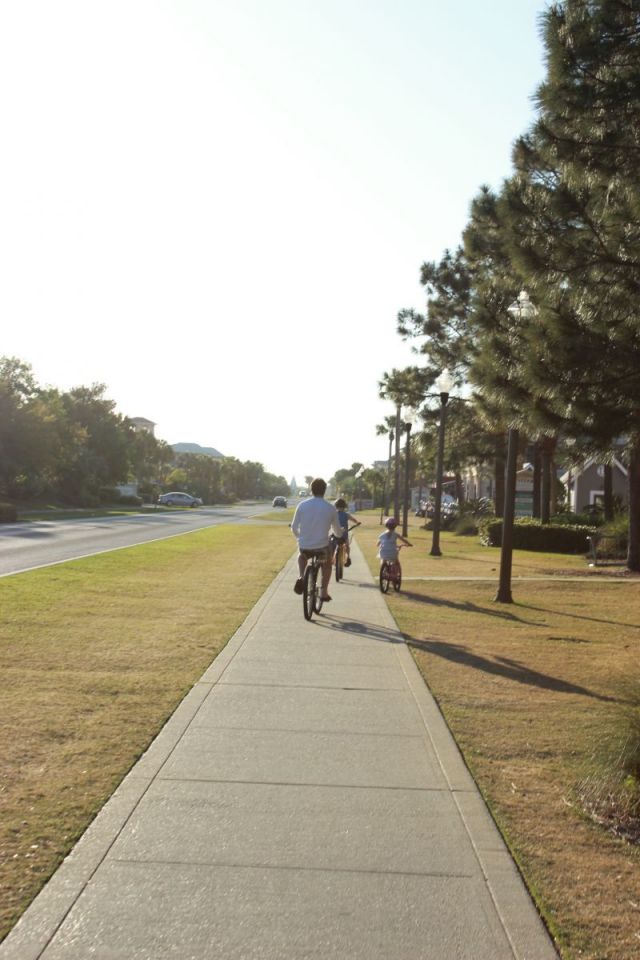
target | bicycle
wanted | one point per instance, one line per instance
(312, 594)
(391, 573)
(339, 554)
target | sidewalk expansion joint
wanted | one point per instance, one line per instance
(209, 864)
(305, 783)
(314, 730)
(309, 686)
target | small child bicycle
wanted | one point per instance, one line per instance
(389, 550)
(391, 574)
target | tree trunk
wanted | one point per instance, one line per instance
(553, 480)
(459, 488)
(633, 552)
(548, 479)
(537, 477)
(499, 465)
(506, 552)
(545, 486)
(608, 492)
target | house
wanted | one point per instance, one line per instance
(141, 424)
(585, 484)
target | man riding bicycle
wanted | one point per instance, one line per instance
(312, 524)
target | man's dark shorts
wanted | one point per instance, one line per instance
(325, 553)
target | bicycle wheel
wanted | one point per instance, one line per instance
(397, 583)
(339, 562)
(308, 594)
(384, 578)
(317, 593)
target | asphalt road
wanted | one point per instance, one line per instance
(40, 543)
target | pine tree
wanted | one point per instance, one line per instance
(573, 214)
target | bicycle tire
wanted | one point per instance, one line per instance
(317, 593)
(384, 579)
(397, 583)
(308, 598)
(339, 564)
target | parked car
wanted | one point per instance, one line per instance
(279, 502)
(177, 499)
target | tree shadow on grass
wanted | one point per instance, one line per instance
(466, 606)
(503, 667)
(582, 616)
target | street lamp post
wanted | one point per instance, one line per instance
(359, 488)
(443, 385)
(407, 459)
(396, 492)
(520, 309)
(388, 490)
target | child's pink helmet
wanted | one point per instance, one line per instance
(391, 522)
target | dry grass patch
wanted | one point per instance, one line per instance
(537, 696)
(284, 515)
(95, 655)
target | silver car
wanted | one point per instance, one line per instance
(179, 500)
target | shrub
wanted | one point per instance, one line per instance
(109, 495)
(8, 513)
(576, 519)
(610, 792)
(129, 500)
(530, 534)
(482, 507)
(466, 525)
(618, 527)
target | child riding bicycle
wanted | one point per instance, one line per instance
(388, 541)
(345, 519)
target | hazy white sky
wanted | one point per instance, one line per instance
(217, 207)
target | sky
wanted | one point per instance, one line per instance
(218, 207)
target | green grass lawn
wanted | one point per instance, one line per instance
(95, 655)
(540, 695)
(284, 515)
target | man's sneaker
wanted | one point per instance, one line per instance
(299, 585)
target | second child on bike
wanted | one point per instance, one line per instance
(388, 541)
(312, 524)
(345, 519)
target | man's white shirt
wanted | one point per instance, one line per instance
(313, 521)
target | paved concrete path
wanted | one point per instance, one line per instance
(305, 800)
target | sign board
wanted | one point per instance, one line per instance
(524, 494)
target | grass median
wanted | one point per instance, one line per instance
(95, 656)
(543, 698)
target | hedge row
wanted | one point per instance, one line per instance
(529, 534)
(8, 513)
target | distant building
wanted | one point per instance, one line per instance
(142, 425)
(196, 448)
(585, 484)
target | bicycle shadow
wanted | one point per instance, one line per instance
(359, 628)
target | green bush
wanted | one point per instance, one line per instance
(130, 500)
(530, 534)
(109, 495)
(610, 791)
(576, 519)
(8, 513)
(618, 527)
(466, 526)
